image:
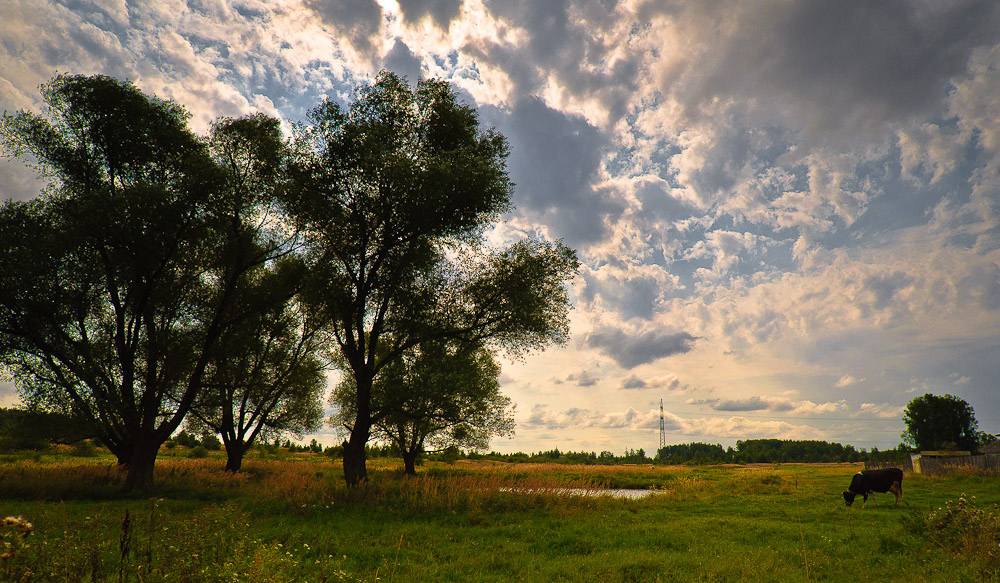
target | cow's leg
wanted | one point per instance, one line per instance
(872, 494)
(897, 490)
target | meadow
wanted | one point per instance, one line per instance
(290, 518)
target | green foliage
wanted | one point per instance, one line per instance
(698, 453)
(775, 450)
(23, 429)
(935, 423)
(393, 194)
(211, 442)
(450, 455)
(168, 542)
(632, 456)
(268, 378)
(746, 451)
(969, 532)
(119, 283)
(437, 396)
(84, 448)
(185, 439)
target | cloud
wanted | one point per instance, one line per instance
(771, 404)
(358, 22)
(555, 160)
(631, 289)
(751, 404)
(579, 418)
(441, 12)
(654, 382)
(634, 382)
(403, 62)
(577, 55)
(630, 351)
(834, 69)
(882, 410)
(583, 379)
(541, 418)
(726, 248)
(846, 381)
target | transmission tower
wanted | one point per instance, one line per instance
(663, 434)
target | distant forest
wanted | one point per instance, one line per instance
(23, 430)
(745, 452)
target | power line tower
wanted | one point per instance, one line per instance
(663, 433)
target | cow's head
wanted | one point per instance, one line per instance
(848, 497)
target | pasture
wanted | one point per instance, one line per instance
(290, 518)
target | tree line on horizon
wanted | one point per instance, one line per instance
(27, 430)
(164, 280)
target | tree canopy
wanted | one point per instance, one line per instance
(118, 283)
(267, 375)
(935, 422)
(437, 395)
(394, 192)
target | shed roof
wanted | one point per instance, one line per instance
(990, 448)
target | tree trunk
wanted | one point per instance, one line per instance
(123, 453)
(410, 462)
(140, 469)
(355, 471)
(234, 456)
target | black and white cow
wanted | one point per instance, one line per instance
(869, 481)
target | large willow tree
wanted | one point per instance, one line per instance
(394, 192)
(119, 282)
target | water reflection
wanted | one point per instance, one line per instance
(630, 493)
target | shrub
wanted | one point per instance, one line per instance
(968, 532)
(84, 448)
(198, 451)
(185, 439)
(211, 442)
(450, 455)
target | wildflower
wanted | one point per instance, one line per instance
(18, 523)
(12, 527)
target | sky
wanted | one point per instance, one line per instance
(787, 211)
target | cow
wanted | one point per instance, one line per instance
(869, 481)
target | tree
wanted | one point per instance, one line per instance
(267, 376)
(934, 422)
(394, 193)
(118, 283)
(268, 381)
(437, 395)
(26, 429)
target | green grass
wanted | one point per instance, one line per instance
(291, 519)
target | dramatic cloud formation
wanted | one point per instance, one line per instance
(788, 212)
(631, 351)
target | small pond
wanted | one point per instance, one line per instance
(630, 493)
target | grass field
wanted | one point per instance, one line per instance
(292, 519)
